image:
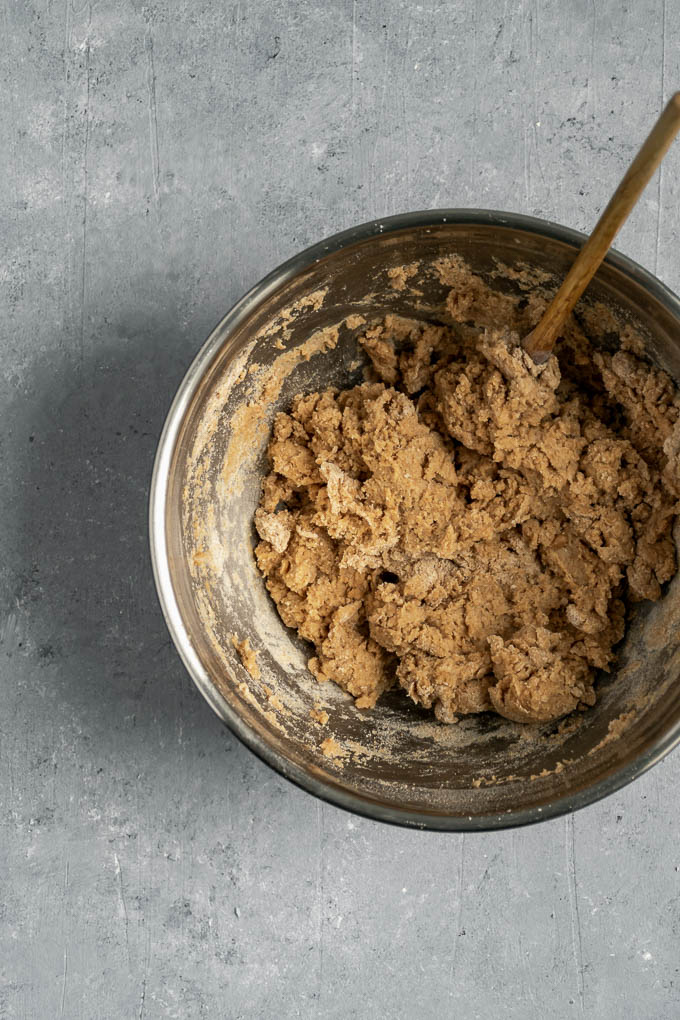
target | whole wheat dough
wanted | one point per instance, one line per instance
(468, 525)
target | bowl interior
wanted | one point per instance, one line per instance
(297, 333)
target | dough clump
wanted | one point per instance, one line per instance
(468, 525)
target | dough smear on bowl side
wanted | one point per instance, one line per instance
(468, 525)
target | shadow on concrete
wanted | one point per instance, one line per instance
(86, 588)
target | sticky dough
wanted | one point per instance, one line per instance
(467, 525)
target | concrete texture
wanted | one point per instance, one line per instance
(156, 160)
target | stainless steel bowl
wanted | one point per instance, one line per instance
(398, 765)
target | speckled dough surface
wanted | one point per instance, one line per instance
(465, 524)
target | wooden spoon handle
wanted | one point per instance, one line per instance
(540, 341)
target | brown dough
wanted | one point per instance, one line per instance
(469, 525)
(248, 656)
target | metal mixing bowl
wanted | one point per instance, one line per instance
(397, 763)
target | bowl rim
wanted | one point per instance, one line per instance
(349, 800)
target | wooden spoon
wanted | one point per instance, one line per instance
(540, 341)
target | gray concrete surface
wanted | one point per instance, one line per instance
(156, 159)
